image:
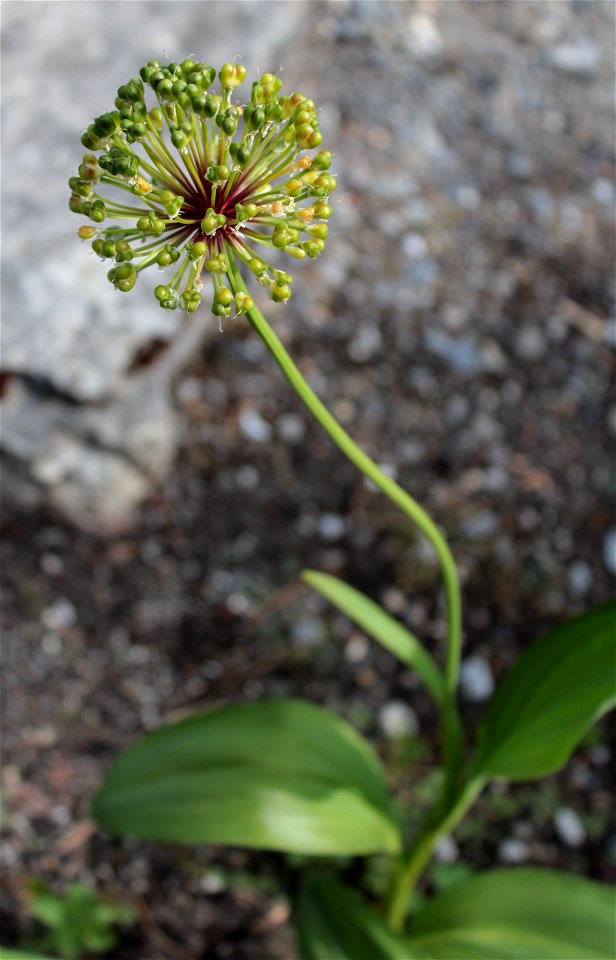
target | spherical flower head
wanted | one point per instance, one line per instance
(180, 177)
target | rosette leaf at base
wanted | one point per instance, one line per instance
(177, 175)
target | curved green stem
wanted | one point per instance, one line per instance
(401, 499)
(412, 866)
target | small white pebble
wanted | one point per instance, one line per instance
(476, 680)
(414, 246)
(331, 526)
(397, 719)
(513, 850)
(569, 827)
(309, 632)
(254, 427)
(609, 550)
(356, 648)
(247, 477)
(59, 615)
(446, 850)
(579, 577)
(290, 428)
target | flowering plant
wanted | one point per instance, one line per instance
(206, 203)
(285, 774)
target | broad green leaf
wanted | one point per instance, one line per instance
(8, 953)
(381, 626)
(557, 689)
(335, 923)
(519, 914)
(279, 774)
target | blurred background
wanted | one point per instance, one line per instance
(163, 487)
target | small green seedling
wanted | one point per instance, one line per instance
(79, 921)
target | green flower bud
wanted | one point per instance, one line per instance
(229, 126)
(293, 187)
(318, 230)
(75, 204)
(179, 139)
(89, 139)
(106, 124)
(212, 105)
(191, 300)
(322, 160)
(217, 264)
(245, 211)
(243, 156)
(257, 118)
(324, 185)
(123, 277)
(271, 84)
(108, 249)
(313, 248)
(219, 311)
(156, 116)
(232, 75)
(295, 252)
(80, 187)
(196, 250)
(86, 233)
(97, 246)
(323, 210)
(124, 251)
(243, 303)
(97, 213)
(257, 266)
(218, 173)
(162, 292)
(280, 236)
(212, 222)
(224, 296)
(164, 90)
(199, 104)
(280, 293)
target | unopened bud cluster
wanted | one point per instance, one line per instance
(202, 184)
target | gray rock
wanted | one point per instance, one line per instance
(82, 427)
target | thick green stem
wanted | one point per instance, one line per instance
(412, 866)
(398, 496)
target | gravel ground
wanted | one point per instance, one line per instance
(461, 326)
